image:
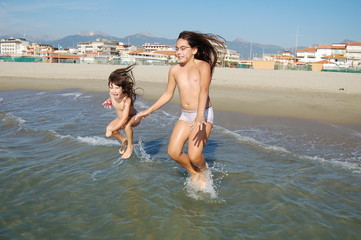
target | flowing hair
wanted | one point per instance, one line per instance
(206, 44)
(123, 77)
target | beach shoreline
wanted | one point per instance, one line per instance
(322, 96)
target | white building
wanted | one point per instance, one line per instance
(232, 56)
(307, 55)
(322, 51)
(13, 47)
(155, 47)
(353, 53)
(100, 46)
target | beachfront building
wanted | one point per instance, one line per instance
(121, 48)
(306, 55)
(106, 47)
(353, 53)
(37, 49)
(232, 56)
(156, 47)
(286, 58)
(13, 47)
(336, 58)
(338, 49)
(322, 51)
(151, 57)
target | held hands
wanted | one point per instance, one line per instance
(142, 115)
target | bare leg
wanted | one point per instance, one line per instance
(197, 140)
(116, 135)
(177, 140)
(129, 133)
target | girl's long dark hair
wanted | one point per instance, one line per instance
(206, 44)
(123, 77)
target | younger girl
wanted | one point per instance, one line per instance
(197, 56)
(122, 98)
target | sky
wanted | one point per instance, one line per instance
(286, 23)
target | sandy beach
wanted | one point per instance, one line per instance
(324, 96)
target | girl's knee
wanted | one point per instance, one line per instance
(196, 160)
(110, 133)
(174, 154)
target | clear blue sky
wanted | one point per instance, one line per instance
(259, 21)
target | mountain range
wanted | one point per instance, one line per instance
(244, 47)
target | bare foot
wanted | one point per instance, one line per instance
(123, 147)
(128, 152)
(199, 181)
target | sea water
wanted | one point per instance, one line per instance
(270, 177)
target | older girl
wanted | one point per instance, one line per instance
(197, 56)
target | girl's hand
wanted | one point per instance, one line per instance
(108, 133)
(107, 104)
(142, 115)
(199, 122)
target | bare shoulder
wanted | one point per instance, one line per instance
(173, 71)
(203, 65)
(174, 68)
(128, 100)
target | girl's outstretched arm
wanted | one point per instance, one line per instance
(165, 98)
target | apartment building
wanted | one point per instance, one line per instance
(13, 47)
(353, 52)
(100, 46)
(38, 49)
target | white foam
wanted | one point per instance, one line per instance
(251, 141)
(75, 95)
(98, 141)
(141, 153)
(201, 193)
(18, 120)
(354, 167)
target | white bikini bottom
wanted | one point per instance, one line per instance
(190, 115)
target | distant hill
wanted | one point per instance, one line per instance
(240, 45)
(246, 48)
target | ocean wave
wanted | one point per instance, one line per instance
(75, 95)
(352, 166)
(8, 119)
(250, 141)
(352, 163)
(99, 141)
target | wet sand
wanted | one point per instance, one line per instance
(324, 96)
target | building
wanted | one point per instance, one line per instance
(336, 58)
(13, 47)
(106, 47)
(353, 53)
(36, 49)
(285, 58)
(232, 56)
(322, 51)
(307, 55)
(152, 57)
(155, 47)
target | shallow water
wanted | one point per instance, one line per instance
(272, 178)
